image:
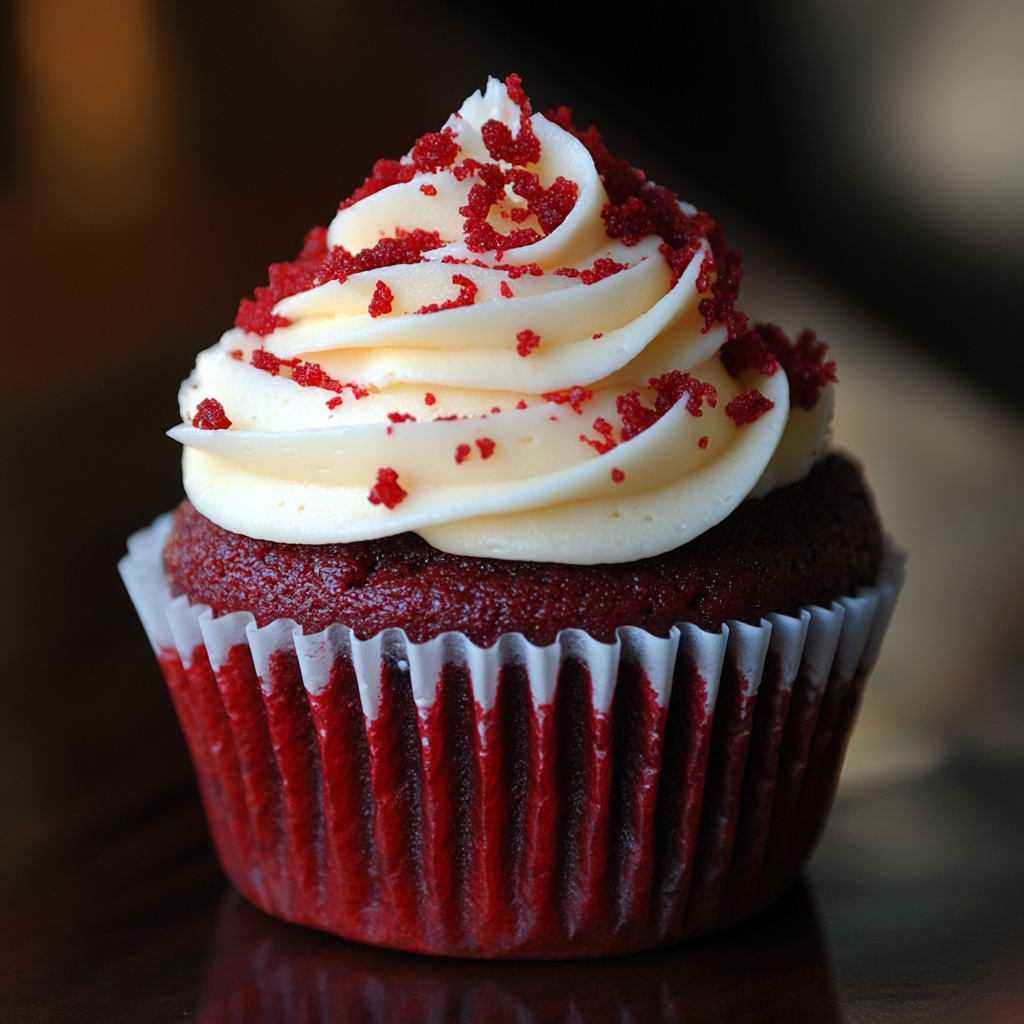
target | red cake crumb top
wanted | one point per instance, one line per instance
(748, 407)
(428, 190)
(525, 148)
(264, 360)
(521, 404)
(401, 417)
(316, 265)
(210, 415)
(618, 476)
(486, 446)
(462, 453)
(387, 491)
(808, 543)
(429, 398)
(670, 387)
(602, 268)
(333, 403)
(505, 290)
(703, 443)
(605, 429)
(638, 208)
(765, 347)
(528, 341)
(467, 296)
(574, 397)
(382, 300)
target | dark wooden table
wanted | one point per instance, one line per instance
(115, 909)
(154, 160)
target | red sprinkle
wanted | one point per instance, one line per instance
(429, 398)
(467, 296)
(236, 354)
(435, 150)
(702, 443)
(428, 190)
(528, 341)
(600, 334)
(486, 446)
(604, 428)
(637, 208)
(766, 346)
(311, 375)
(505, 290)
(264, 360)
(575, 397)
(315, 265)
(748, 407)
(521, 404)
(602, 268)
(387, 491)
(497, 408)
(525, 148)
(401, 417)
(618, 476)
(670, 387)
(462, 453)
(210, 415)
(381, 301)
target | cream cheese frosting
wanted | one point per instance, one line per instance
(563, 400)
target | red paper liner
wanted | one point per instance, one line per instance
(578, 800)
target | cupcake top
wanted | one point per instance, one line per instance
(510, 343)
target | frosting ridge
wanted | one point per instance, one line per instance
(489, 341)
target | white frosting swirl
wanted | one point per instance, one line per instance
(292, 468)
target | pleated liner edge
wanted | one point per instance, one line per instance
(577, 800)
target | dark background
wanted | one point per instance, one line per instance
(155, 157)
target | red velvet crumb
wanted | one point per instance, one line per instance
(618, 476)
(462, 453)
(766, 346)
(429, 398)
(381, 301)
(600, 334)
(748, 407)
(236, 354)
(467, 296)
(333, 403)
(210, 415)
(428, 190)
(602, 268)
(401, 417)
(670, 387)
(575, 397)
(486, 446)
(604, 428)
(521, 404)
(702, 443)
(505, 290)
(387, 491)
(525, 148)
(264, 360)
(528, 341)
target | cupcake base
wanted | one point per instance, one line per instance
(580, 799)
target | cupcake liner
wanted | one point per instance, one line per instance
(579, 799)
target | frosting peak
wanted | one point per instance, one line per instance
(507, 341)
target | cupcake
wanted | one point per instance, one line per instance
(517, 607)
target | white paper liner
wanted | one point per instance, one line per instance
(847, 637)
(817, 656)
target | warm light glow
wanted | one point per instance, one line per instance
(96, 104)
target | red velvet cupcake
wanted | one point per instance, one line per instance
(516, 609)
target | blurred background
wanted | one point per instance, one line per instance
(867, 156)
